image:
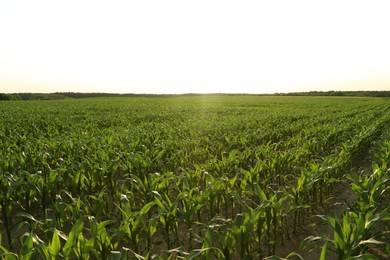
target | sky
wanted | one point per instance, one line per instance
(193, 46)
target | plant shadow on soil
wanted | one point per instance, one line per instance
(317, 226)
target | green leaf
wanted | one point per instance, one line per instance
(195, 254)
(338, 234)
(73, 234)
(53, 177)
(363, 257)
(138, 256)
(147, 207)
(159, 204)
(27, 247)
(9, 256)
(295, 254)
(178, 250)
(55, 245)
(307, 241)
(371, 241)
(274, 257)
(260, 192)
(29, 216)
(118, 255)
(323, 251)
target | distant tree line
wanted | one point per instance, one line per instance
(63, 95)
(339, 93)
(309, 93)
(10, 97)
(88, 95)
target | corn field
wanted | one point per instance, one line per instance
(191, 177)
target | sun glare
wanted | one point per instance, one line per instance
(205, 47)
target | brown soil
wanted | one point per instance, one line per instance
(318, 227)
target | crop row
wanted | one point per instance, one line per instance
(363, 231)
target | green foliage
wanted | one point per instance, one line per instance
(216, 177)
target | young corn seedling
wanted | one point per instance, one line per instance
(272, 205)
(73, 240)
(100, 237)
(354, 232)
(370, 190)
(168, 211)
(7, 204)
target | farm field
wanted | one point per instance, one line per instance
(192, 177)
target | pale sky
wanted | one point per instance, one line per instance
(194, 46)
